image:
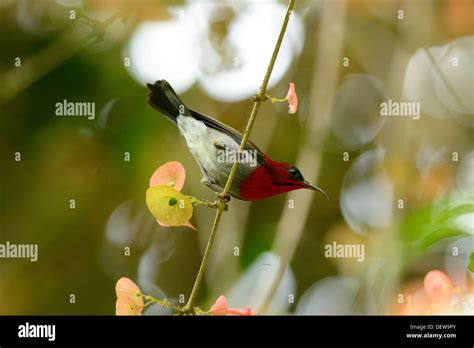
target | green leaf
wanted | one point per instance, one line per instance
(429, 225)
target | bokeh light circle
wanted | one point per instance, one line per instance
(367, 194)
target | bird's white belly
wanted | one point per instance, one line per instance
(201, 142)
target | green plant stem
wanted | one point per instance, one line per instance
(197, 283)
(276, 100)
(259, 98)
(162, 302)
(209, 204)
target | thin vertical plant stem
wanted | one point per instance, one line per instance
(260, 97)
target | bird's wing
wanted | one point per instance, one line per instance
(234, 134)
(163, 98)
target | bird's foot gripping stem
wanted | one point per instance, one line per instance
(224, 197)
(222, 200)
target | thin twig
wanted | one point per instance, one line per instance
(261, 96)
(329, 43)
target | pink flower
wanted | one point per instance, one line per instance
(220, 308)
(186, 224)
(129, 298)
(238, 311)
(292, 99)
(436, 294)
(171, 173)
(438, 287)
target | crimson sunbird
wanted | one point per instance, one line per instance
(208, 139)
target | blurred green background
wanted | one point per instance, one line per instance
(215, 54)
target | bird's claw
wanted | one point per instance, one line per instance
(224, 197)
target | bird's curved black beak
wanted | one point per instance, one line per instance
(315, 188)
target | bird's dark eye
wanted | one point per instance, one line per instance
(295, 174)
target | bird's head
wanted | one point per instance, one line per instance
(274, 178)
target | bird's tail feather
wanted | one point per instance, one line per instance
(163, 98)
